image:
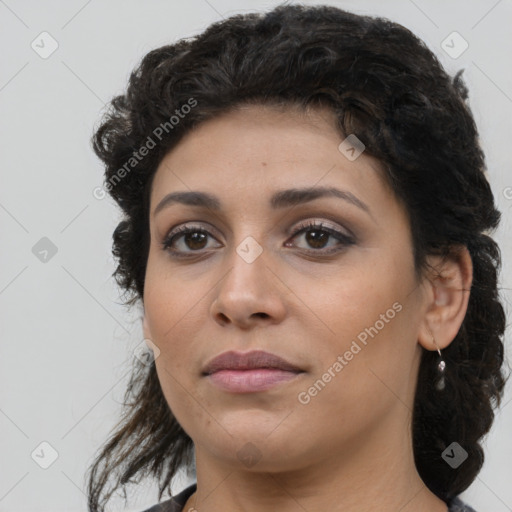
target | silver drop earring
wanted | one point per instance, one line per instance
(441, 367)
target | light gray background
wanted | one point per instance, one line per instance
(67, 342)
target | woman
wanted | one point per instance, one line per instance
(306, 221)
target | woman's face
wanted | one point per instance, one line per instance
(256, 272)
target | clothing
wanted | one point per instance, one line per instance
(457, 506)
(177, 503)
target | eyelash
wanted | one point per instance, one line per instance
(345, 240)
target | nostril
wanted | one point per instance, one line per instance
(223, 318)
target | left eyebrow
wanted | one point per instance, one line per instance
(280, 199)
(293, 196)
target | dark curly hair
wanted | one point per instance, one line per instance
(386, 87)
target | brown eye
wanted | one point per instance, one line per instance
(186, 239)
(317, 237)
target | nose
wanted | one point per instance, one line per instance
(249, 294)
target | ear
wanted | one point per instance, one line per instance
(448, 288)
(149, 339)
(145, 328)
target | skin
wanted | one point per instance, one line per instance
(350, 446)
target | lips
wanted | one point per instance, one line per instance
(250, 372)
(256, 359)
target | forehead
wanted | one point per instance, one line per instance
(255, 150)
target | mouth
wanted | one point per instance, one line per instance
(249, 372)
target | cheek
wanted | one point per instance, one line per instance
(173, 327)
(353, 302)
(368, 320)
(172, 310)
(362, 372)
(170, 299)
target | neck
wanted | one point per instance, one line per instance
(369, 475)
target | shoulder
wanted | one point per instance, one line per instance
(174, 504)
(458, 505)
